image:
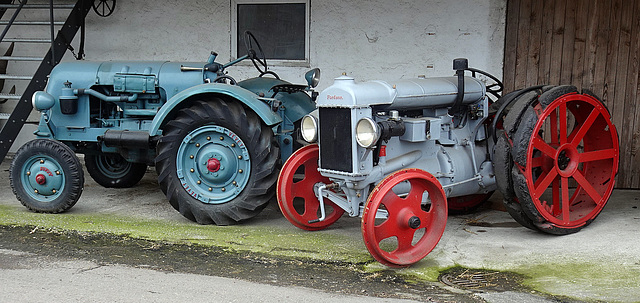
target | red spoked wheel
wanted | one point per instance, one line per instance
(569, 168)
(296, 197)
(398, 229)
(467, 204)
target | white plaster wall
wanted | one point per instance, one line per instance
(367, 39)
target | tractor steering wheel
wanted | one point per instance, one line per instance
(258, 58)
(495, 89)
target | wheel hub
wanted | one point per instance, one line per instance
(41, 179)
(414, 222)
(213, 164)
(567, 160)
(563, 160)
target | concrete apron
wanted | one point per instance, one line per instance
(601, 262)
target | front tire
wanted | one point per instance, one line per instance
(46, 176)
(216, 163)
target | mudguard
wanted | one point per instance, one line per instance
(248, 98)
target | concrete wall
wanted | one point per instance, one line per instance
(368, 39)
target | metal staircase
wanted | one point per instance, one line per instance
(61, 33)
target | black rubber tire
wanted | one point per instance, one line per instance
(260, 142)
(513, 119)
(502, 166)
(113, 171)
(71, 170)
(528, 119)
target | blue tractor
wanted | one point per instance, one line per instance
(217, 144)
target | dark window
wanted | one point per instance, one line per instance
(279, 28)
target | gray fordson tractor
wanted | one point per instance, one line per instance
(216, 143)
(402, 155)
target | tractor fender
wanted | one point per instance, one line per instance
(249, 99)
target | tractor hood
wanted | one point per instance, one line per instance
(401, 94)
(134, 76)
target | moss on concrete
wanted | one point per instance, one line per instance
(614, 281)
(267, 239)
(604, 280)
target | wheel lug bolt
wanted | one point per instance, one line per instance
(233, 145)
(57, 172)
(41, 161)
(35, 190)
(223, 189)
(208, 138)
(28, 173)
(199, 182)
(197, 144)
(192, 170)
(240, 157)
(240, 170)
(210, 189)
(53, 191)
(221, 138)
(191, 157)
(234, 182)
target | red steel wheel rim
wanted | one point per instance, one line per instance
(572, 176)
(412, 243)
(296, 197)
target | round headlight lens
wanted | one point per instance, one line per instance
(309, 128)
(42, 100)
(367, 134)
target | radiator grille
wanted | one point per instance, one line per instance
(336, 139)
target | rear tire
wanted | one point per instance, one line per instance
(565, 157)
(216, 162)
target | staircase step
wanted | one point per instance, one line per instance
(10, 96)
(15, 77)
(32, 23)
(37, 6)
(27, 40)
(16, 58)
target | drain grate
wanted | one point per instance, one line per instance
(481, 279)
(467, 279)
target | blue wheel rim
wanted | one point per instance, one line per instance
(213, 164)
(42, 178)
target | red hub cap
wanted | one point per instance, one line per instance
(213, 165)
(41, 179)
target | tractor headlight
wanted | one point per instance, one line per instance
(313, 77)
(367, 133)
(42, 100)
(309, 128)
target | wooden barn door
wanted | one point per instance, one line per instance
(592, 44)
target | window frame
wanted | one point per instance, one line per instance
(277, 62)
